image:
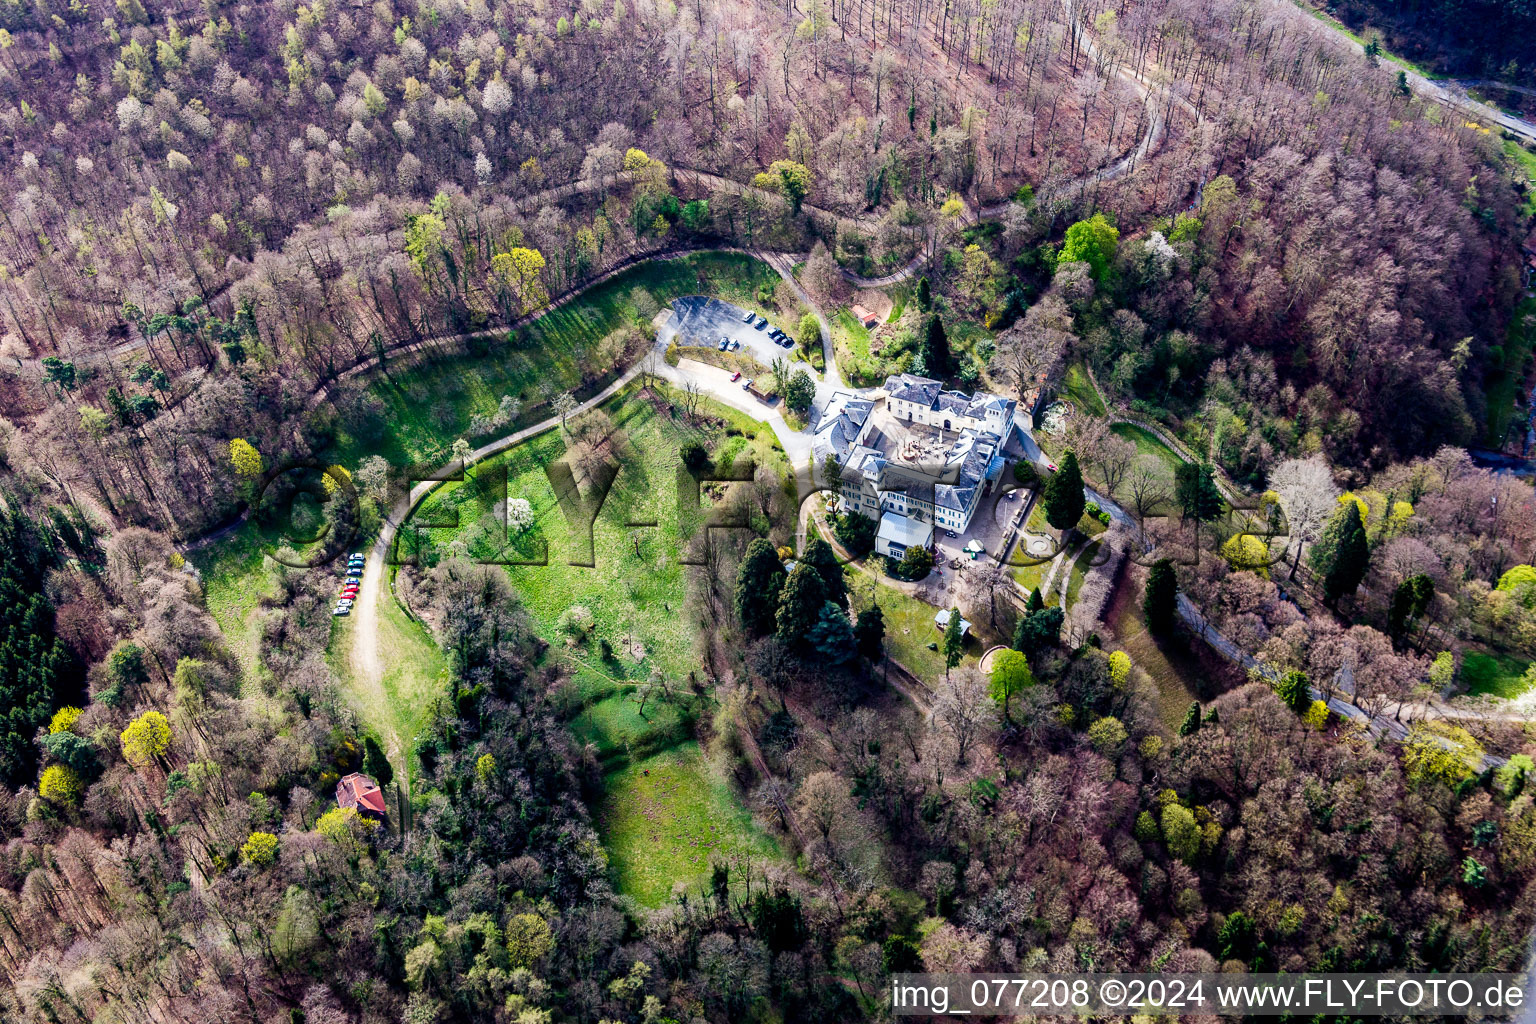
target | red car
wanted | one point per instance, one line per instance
(736, 376)
(349, 592)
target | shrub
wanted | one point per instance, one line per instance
(346, 828)
(915, 564)
(577, 621)
(1107, 736)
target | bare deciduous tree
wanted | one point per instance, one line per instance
(963, 708)
(1308, 496)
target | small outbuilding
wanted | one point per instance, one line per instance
(941, 622)
(360, 793)
(867, 317)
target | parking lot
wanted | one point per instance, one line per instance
(702, 321)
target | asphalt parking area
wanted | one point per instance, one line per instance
(699, 320)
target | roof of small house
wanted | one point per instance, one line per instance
(941, 620)
(359, 791)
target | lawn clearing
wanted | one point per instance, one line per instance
(616, 728)
(1523, 166)
(664, 819)
(423, 406)
(1031, 576)
(909, 629)
(415, 675)
(636, 586)
(1174, 671)
(1148, 443)
(1080, 566)
(850, 335)
(1505, 384)
(236, 576)
(852, 342)
(1501, 675)
(1079, 390)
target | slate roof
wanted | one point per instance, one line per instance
(840, 425)
(911, 388)
(925, 391)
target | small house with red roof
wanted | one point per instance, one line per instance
(360, 793)
(867, 317)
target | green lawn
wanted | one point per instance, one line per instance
(1148, 443)
(664, 819)
(1502, 675)
(850, 334)
(909, 629)
(636, 586)
(1080, 566)
(423, 406)
(1523, 167)
(1078, 389)
(851, 341)
(1173, 670)
(1031, 576)
(1504, 385)
(236, 576)
(616, 728)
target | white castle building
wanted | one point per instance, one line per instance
(922, 460)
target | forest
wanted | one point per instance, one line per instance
(1265, 704)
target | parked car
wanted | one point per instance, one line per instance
(341, 611)
(725, 343)
(748, 317)
(736, 376)
(747, 384)
(1050, 466)
(735, 344)
(762, 322)
(951, 534)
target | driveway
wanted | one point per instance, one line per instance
(717, 384)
